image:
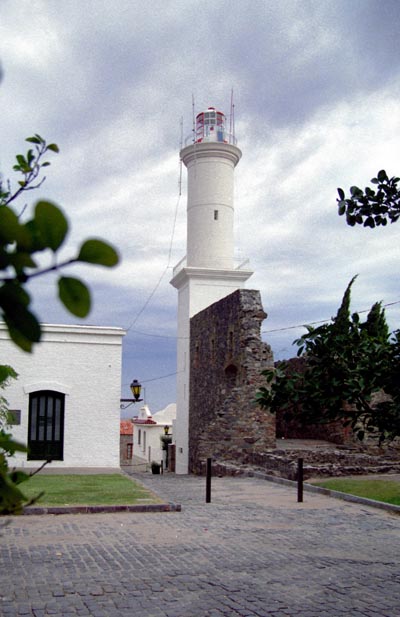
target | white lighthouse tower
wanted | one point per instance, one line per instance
(207, 273)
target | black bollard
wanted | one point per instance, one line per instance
(300, 480)
(208, 480)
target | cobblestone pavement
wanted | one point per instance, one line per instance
(252, 552)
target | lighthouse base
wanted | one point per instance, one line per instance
(198, 288)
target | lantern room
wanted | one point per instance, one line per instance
(210, 126)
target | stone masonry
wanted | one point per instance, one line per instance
(226, 360)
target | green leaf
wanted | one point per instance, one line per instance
(6, 373)
(8, 444)
(9, 225)
(382, 176)
(51, 224)
(75, 296)
(12, 295)
(17, 476)
(369, 222)
(21, 260)
(53, 147)
(29, 238)
(98, 252)
(33, 140)
(355, 191)
(341, 194)
(23, 327)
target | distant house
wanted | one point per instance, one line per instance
(125, 442)
(148, 429)
(66, 398)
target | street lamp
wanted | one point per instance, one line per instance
(136, 388)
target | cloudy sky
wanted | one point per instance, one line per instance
(316, 90)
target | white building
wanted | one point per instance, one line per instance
(66, 398)
(207, 273)
(147, 431)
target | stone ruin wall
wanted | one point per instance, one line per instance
(293, 428)
(124, 441)
(226, 359)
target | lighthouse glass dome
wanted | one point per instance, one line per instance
(210, 126)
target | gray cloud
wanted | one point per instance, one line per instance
(316, 91)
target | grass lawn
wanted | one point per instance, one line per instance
(72, 490)
(380, 490)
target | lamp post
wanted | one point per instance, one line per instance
(136, 389)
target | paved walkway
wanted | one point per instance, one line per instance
(252, 552)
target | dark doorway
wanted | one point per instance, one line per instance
(231, 373)
(46, 426)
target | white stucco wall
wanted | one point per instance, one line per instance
(198, 288)
(148, 449)
(210, 168)
(84, 363)
(146, 437)
(208, 273)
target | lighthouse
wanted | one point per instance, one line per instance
(207, 273)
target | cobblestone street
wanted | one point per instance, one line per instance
(252, 552)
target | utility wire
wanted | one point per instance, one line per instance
(156, 378)
(145, 305)
(161, 377)
(263, 332)
(167, 336)
(303, 325)
(313, 323)
(147, 302)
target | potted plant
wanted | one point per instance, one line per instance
(155, 467)
(165, 439)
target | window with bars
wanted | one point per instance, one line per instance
(46, 425)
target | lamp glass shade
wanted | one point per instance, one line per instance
(136, 388)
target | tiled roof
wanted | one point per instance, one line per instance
(147, 421)
(125, 427)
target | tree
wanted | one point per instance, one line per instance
(20, 243)
(12, 500)
(371, 207)
(347, 364)
(6, 374)
(45, 232)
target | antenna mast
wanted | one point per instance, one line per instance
(233, 117)
(180, 160)
(231, 129)
(193, 120)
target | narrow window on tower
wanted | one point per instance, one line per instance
(215, 215)
(230, 342)
(212, 349)
(196, 356)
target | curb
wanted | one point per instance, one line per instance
(311, 488)
(156, 507)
